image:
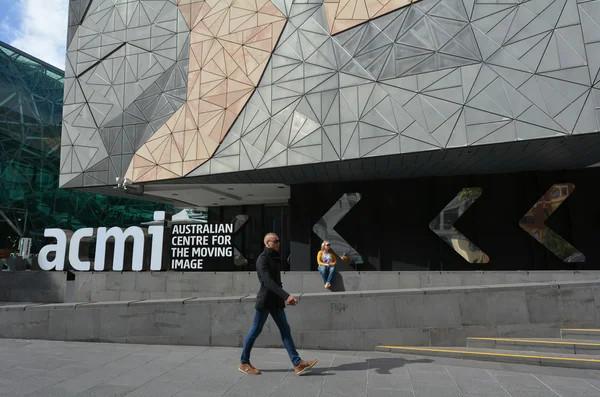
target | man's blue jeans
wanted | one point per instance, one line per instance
(260, 318)
(327, 273)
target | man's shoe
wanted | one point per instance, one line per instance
(304, 366)
(248, 369)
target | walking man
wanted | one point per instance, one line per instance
(271, 299)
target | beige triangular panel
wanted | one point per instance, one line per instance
(230, 46)
(345, 14)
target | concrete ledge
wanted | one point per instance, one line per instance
(329, 295)
(54, 306)
(248, 298)
(585, 283)
(386, 292)
(107, 304)
(21, 307)
(160, 302)
(358, 320)
(51, 287)
(444, 290)
(223, 299)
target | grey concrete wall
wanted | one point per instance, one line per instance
(93, 287)
(359, 320)
(51, 287)
(44, 287)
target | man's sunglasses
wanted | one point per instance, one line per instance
(327, 245)
(275, 241)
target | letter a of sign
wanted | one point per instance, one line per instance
(534, 223)
(442, 225)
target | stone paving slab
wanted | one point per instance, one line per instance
(63, 369)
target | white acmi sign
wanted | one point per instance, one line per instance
(135, 232)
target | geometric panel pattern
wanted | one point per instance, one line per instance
(164, 89)
(231, 43)
(433, 75)
(126, 72)
(345, 14)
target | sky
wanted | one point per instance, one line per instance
(37, 27)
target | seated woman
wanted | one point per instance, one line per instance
(326, 260)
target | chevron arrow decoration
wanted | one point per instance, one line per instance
(238, 222)
(442, 225)
(324, 228)
(534, 223)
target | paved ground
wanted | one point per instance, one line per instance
(61, 369)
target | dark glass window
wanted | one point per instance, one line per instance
(262, 219)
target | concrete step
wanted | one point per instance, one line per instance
(580, 333)
(542, 345)
(497, 355)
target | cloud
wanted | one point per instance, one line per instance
(8, 22)
(42, 31)
(6, 32)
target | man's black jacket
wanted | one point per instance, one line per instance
(271, 294)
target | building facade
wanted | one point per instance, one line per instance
(435, 134)
(31, 108)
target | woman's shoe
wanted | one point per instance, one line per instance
(327, 285)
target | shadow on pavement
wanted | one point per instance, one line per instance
(381, 366)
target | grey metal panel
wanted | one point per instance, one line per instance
(127, 67)
(430, 76)
(435, 95)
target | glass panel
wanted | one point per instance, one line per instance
(443, 223)
(253, 234)
(287, 232)
(251, 223)
(534, 223)
(231, 214)
(274, 222)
